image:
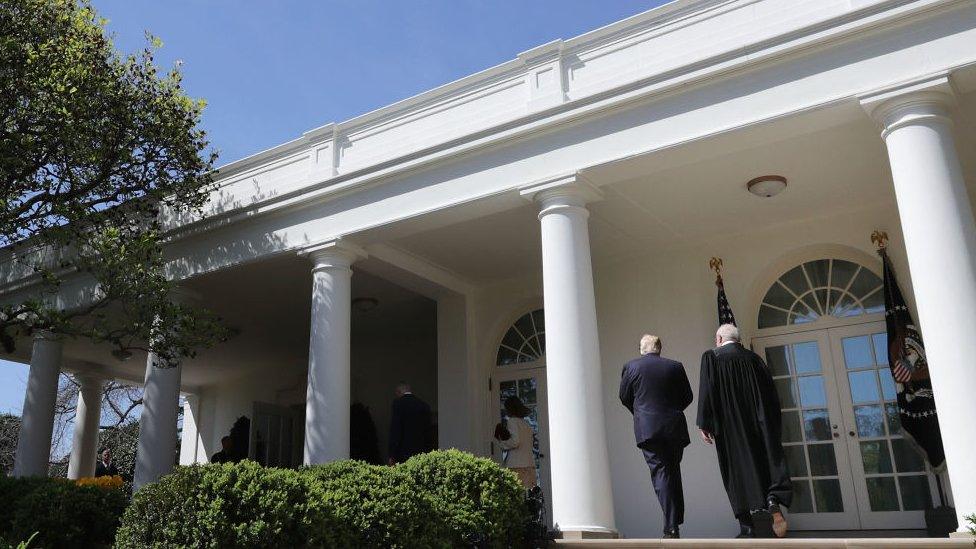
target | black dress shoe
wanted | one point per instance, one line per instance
(762, 523)
(672, 533)
(745, 532)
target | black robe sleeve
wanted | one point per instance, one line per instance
(686, 395)
(706, 394)
(771, 406)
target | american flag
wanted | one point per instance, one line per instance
(906, 358)
(725, 315)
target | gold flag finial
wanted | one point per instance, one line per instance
(879, 238)
(715, 264)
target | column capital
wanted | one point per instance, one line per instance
(333, 253)
(571, 190)
(89, 376)
(46, 335)
(911, 102)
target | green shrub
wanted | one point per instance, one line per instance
(379, 504)
(473, 499)
(439, 500)
(229, 505)
(60, 512)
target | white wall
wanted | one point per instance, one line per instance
(671, 293)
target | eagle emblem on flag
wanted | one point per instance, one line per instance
(908, 355)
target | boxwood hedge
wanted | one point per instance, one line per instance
(442, 499)
(60, 512)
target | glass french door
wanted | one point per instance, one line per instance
(529, 384)
(892, 483)
(851, 467)
(816, 453)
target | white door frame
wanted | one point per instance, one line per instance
(869, 519)
(831, 331)
(511, 372)
(848, 519)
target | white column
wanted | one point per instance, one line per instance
(582, 503)
(940, 239)
(156, 454)
(191, 444)
(88, 412)
(328, 394)
(37, 418)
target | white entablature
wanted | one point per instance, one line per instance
(665, 50)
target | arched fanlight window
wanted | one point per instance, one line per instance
(826, 287)
(525, 341)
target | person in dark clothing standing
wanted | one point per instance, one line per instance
(104, 466)
(656, 391)
(410, 426)
(226, 453)
(739, 412)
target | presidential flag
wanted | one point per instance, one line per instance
(906, 358)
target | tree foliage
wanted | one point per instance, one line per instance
(99, 153)
(9, 431)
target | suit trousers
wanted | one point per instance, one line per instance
(664, 461)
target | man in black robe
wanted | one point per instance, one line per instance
(739, 412)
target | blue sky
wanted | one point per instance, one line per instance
(272, 70)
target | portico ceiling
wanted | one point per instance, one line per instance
(834, 160)
(269, 304)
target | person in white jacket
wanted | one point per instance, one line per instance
(517, 437)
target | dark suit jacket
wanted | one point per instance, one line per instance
(410, 428)
(656, 391)
(102, 471)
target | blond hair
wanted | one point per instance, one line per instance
(650, 344)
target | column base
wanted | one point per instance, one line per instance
(587, 534)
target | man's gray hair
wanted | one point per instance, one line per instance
(728, 332)
(650, 344)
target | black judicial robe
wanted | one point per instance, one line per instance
(738, 404)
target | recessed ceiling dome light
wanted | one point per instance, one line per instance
(767, 186)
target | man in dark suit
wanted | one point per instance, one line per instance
(656, 391)
(226, 453)
(410, 426)
(104, 466)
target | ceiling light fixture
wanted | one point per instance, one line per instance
(364, 304)
(767, 186)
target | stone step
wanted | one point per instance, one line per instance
(795, 543)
